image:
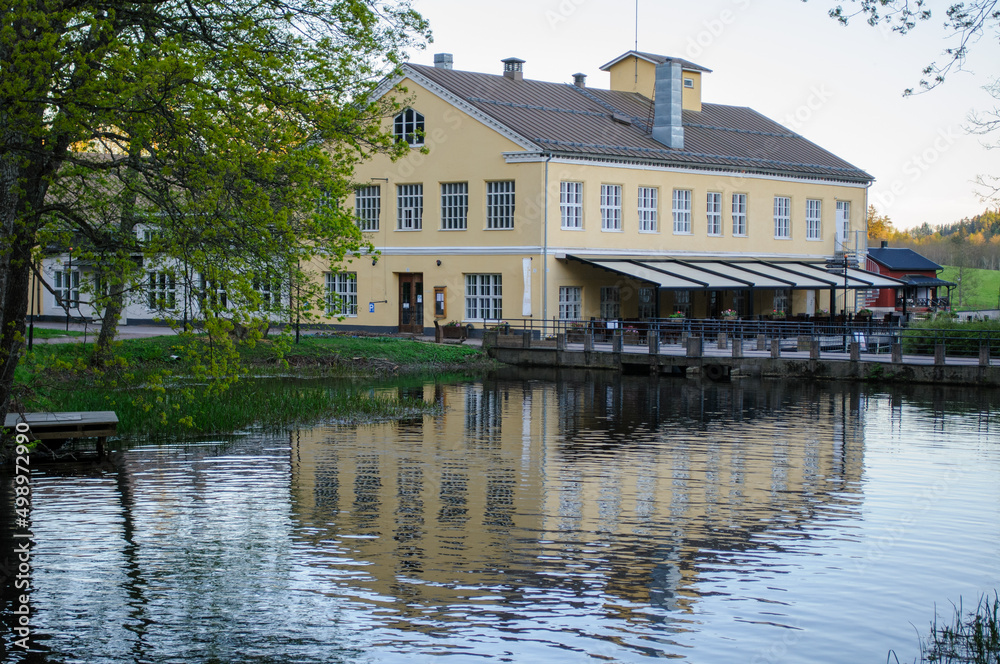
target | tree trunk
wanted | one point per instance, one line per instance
(109, 326)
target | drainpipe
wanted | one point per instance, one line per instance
(545, 245)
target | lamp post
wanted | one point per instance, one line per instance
(68, 283)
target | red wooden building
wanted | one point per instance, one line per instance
(923, 286)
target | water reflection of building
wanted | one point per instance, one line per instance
(629, 484)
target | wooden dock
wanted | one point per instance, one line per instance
(723, 358)
(65, 426)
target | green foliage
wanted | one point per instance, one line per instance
(147, 389)
(971, 638)
(959, 338)
(981, 287)
(216, 125)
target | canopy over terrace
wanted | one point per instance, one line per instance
(674, 274)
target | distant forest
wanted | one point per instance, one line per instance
(969, 243)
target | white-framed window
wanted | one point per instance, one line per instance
(570, 302)
(367, 206)
(782, 300)
(269, 290)
(342, 293)
(483, 297)
(611, 302)
(682, 211)
(648, 222)
(713, 212)
(647, 302)
(843, 221)
(782, 217)
(454, 206)
(410, 206)
(682, 302)
(212, 293)
(161, 290)
(739, 214)
(500, 205)
(814, 214)
(408, 127)
(611, 207)
(571, 204)
(66, 284)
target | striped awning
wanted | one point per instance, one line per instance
(740, 274)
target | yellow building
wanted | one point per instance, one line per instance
(525, 199)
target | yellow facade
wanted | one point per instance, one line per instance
(531, 257)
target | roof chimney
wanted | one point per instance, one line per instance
(513, 69)
(668, 119)
(885, 244)
(580, 80)
(444, 60)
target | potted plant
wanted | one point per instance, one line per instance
(454, 330)
(630, 335)
(729, 314)
(677, 315)
(575, 332)
(777, 314)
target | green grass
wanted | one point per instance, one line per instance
(261, 399)
(970, 638)
(48, 333)
(982, 291)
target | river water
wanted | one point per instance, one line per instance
(537, 518)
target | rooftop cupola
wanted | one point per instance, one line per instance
(513, 68)
(635, 71)
(444, 60)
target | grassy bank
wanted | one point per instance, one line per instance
(153, 396)
(960, 338)
(981, 289)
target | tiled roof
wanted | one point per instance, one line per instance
(901, 259)
(566, 120)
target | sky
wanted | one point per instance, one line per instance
(840, 87)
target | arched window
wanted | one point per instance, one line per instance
(409, 126)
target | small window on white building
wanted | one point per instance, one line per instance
(500, 205)
(408, 127)
(611, 303)
(648, 222)
(367, 206)
(410, 206)
(682, 211)
(483, 297)
(814, 213)
(342, 293)
(455, 206)
(571, 204)
(713, 212)
(782, 218)
(570, 302)
(611, 207)
(66, 284)
(161, 290)
(739, 214)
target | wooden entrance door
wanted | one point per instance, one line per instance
(411, 302)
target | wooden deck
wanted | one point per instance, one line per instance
(64, 426)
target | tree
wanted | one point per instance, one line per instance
(879, 225)
(965, 23)
(219, 123)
